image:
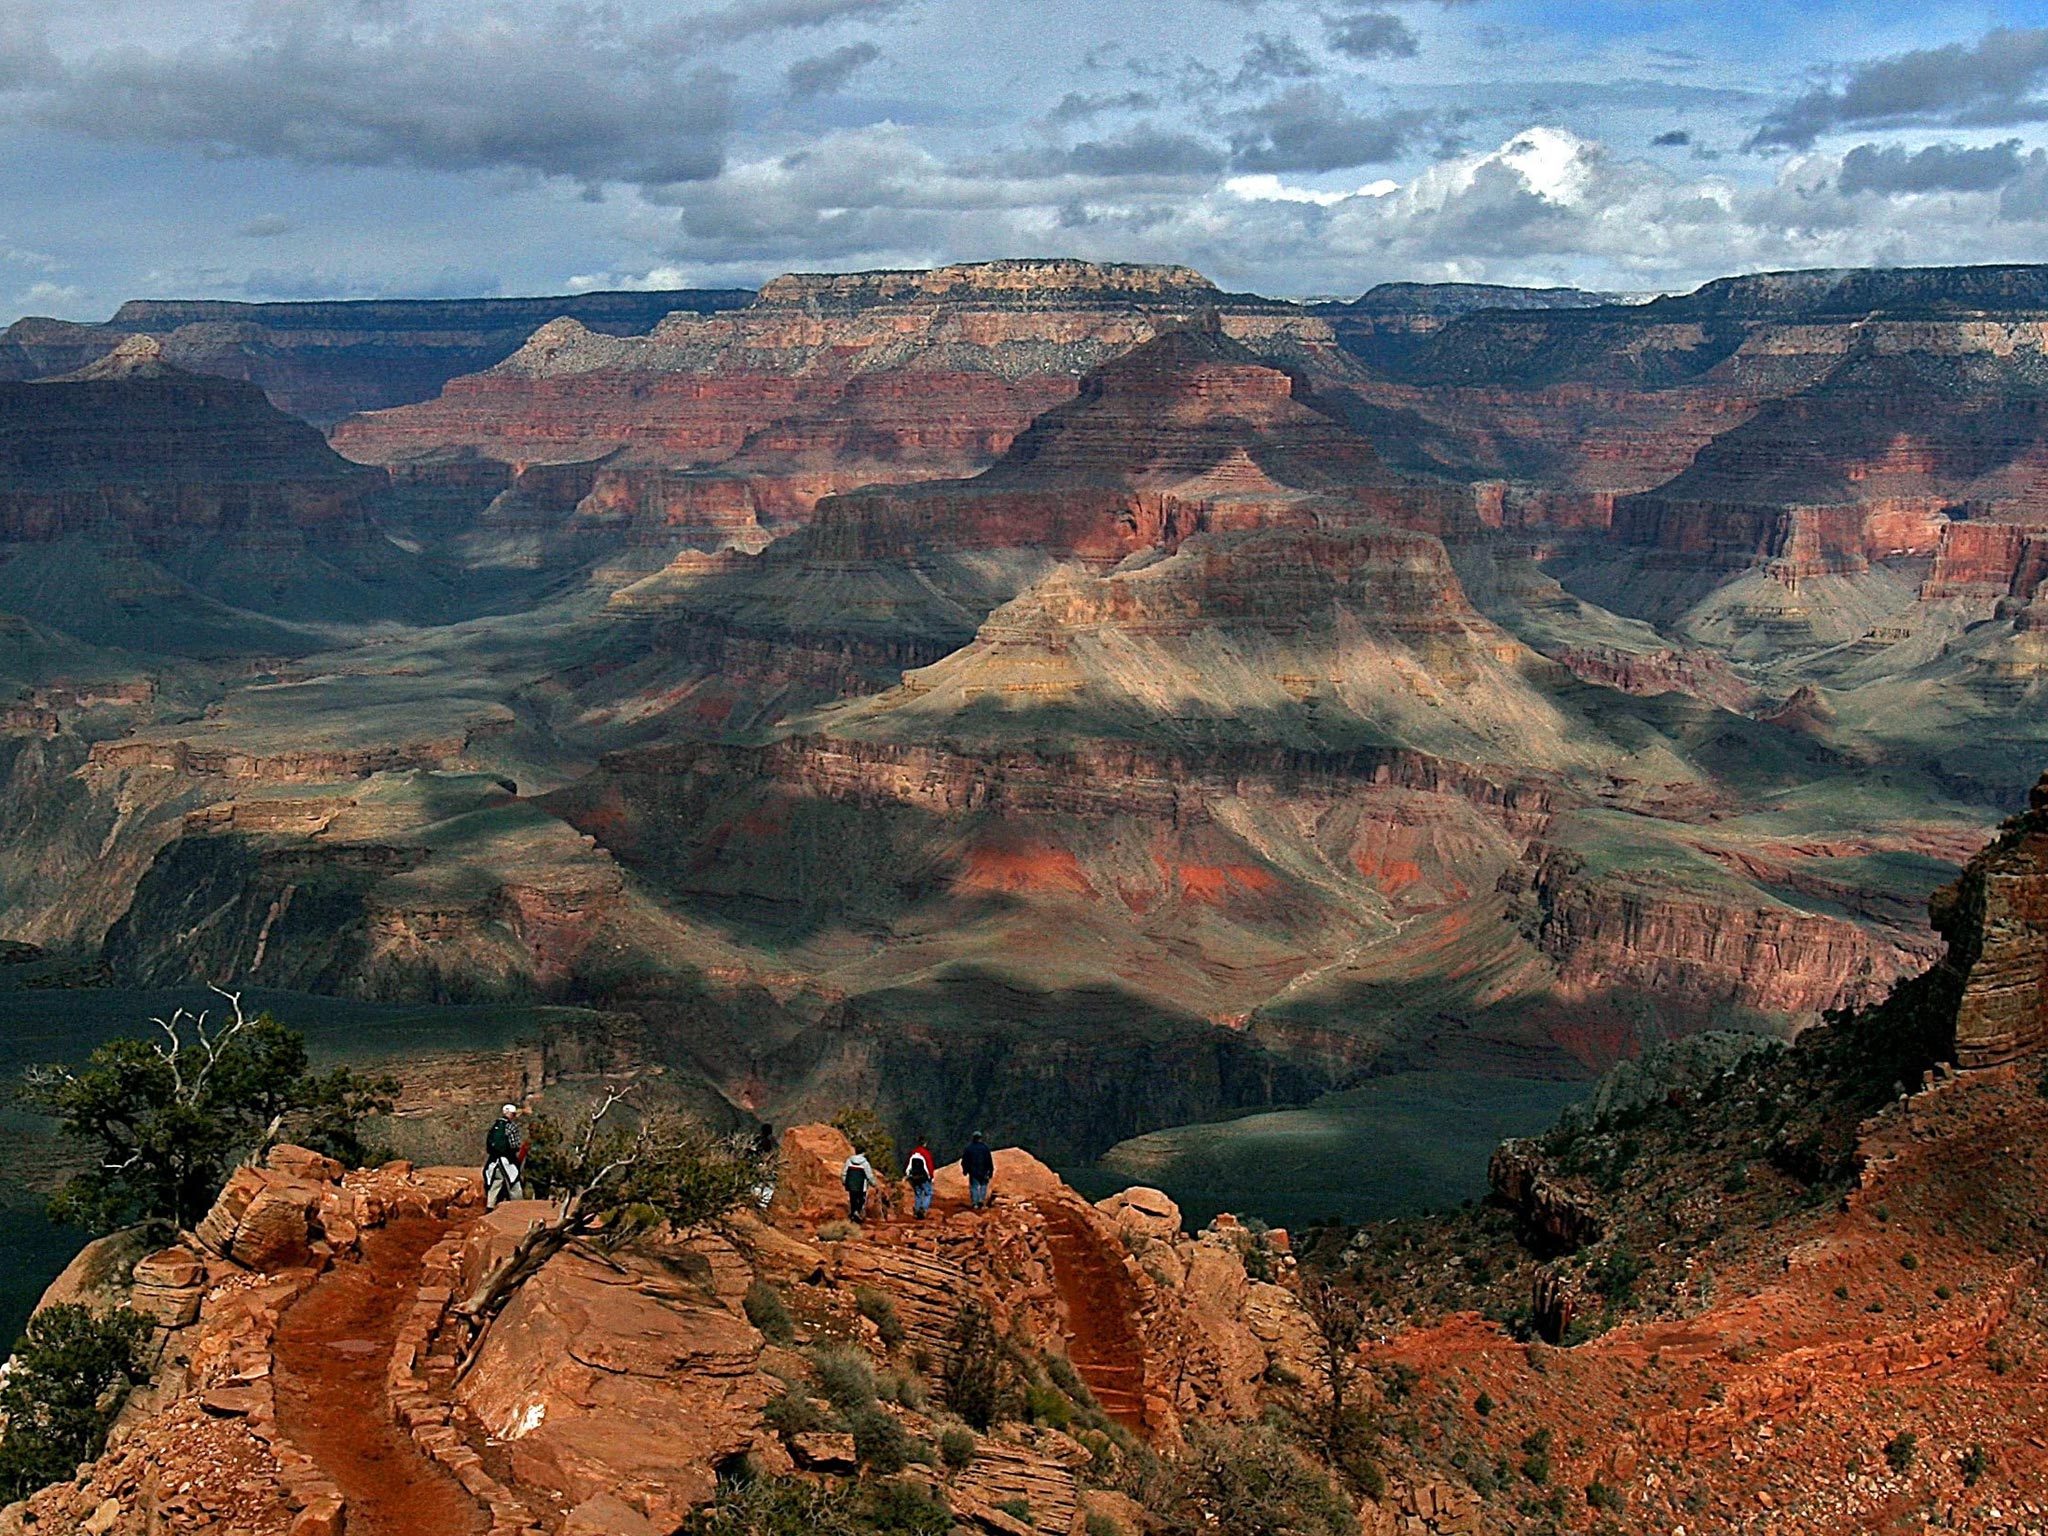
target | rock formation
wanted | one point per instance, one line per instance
(326, 360)
(820, 385)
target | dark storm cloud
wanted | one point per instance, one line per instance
(1311, 128)
(1370, 35)
(829, 72)
(753, 18)
(1272, 58)
(1146, 151)
(1672, 138)
(1991, 82)
(1077, 106)
(1937, 168)
(572, 93)
(25, 56)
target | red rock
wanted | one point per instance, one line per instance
(1143, 1210)
(824, 1452)
(299, 1163)
(809, 1178)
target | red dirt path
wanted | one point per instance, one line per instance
(333, 1344)
(1099, 1301)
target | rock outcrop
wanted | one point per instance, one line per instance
(1995, 919)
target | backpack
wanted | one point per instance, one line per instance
(918, 1170)
(856, 1180)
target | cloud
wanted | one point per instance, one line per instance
(1271, 58)
(567, 92)
(1370, 35)
(1672, 138)
(1936, 168)
(1310, 128)
(1146, 150)
(828, 73)
(25, 55)
(1990, 83)
(752, 18)
(1077, 106)
(267, 227)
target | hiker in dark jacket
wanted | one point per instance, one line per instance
(979, 1164)
(918, 1170)
(860, 1178)
(504, 1159)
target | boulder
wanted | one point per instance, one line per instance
(809, 1184)
(1147, 1211)
(598, 1382)
(823, 1452)
(302, 1163)
(169, 1285)
(605, 1514)
(275, 1232)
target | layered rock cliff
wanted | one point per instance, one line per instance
(326, 360)
(825, 383)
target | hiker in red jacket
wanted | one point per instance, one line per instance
(918, 1170)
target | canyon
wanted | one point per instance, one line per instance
(1057, 666)
(1807, 1299)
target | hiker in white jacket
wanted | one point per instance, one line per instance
(860, 1178)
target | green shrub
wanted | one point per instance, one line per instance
(793, 1413)
(880, 1309)
(1483, 1404)
(1016, 1509)
(975, 1376)
(1909, 1261)
(846, 1379)
(798, 1506)
(879, 1442)
(1600, 1496)
(1068, 1380)
(956, 1446)
(1900, 1450)
(1943, 1293)
(1247, 1481)
(1099, 1524)
(766, 1312)
(1048, 1406)
(1974, 1465)
(62, 1390)
(900, 1387)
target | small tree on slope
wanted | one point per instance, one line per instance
(614, 1181)
(166, 1118)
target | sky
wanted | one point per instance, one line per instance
(295, 149)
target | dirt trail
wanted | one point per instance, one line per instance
(1099, 1301)
(333, 1344)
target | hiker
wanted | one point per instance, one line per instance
(860, 1178)
(979, 1164)
(764, 1156)
(504, 1159)
(918, 1170)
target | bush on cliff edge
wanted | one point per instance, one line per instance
(166, 1118)
(65, 1383)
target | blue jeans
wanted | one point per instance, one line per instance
(921, 1197)
(977, 1192)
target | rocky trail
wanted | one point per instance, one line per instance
(1097, 1303)
(332, 1348)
